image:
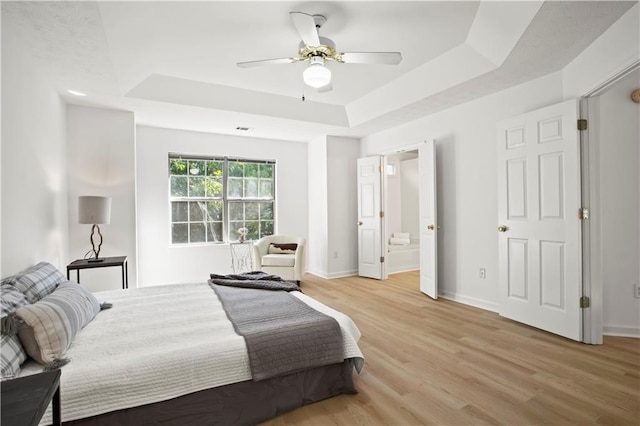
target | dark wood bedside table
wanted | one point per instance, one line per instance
(105, 263)
(25, 399)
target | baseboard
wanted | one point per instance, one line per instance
(471, 301)
(410, 269)
(608, 330)
(317, 274)
(333, 275)
(342, 274)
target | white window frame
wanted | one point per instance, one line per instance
(229, 227)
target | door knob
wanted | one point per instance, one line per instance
(503, 228)
(359, 223)
(431, 227)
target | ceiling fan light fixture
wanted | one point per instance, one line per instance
(316, 74)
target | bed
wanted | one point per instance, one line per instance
(170, 354)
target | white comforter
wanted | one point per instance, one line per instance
(158, 343)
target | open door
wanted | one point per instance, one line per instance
(428, 220)
(370, 218)
(539, 227)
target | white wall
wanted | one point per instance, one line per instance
(1, 154)
(101, 155)
(616, 49)
(467, 182)
(34, 164)
(317, 261)
(616, 140)
(333, 235)
(466, 160)
(161, 263)
(619, 136)
(402, 211)
(393, 197)
(410, 192)
(342, 207)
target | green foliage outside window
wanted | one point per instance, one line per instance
(201, 211)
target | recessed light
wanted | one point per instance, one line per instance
(74, 92)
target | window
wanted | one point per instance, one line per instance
(212, 198)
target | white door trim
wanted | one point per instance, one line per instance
(411, 147)
(592, 284)
(591, 241)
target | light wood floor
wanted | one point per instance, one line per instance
(444, 363)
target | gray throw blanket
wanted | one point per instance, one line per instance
(255, 279)
(283, 334)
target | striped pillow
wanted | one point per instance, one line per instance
(47, 328)
(12, 353)
(37, 281)
(11, 356)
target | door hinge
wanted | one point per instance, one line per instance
(380, 169)
(381, 213)
(582, 124)
(583, 213)
(585, 302)
(381, 259)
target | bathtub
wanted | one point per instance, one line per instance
(402, 258)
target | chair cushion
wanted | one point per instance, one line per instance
(279, 260)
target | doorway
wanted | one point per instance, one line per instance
(402, 212)
(373, 239)
(611, 191)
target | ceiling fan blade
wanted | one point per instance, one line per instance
(306, 26)
(250, 64)
(325, 88)
(386, 58)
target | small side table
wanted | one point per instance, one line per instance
(25, 399)
(241, 256)
(105, 263)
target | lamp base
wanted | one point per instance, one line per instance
(95, 233)
(92, 260)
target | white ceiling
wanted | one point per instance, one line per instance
(174, 63)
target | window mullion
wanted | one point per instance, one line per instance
(225, 201)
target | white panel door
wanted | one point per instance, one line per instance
(370, 257)
(539, 230)
(428, 220)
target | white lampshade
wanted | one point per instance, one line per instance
(316, 74)
(94, 210)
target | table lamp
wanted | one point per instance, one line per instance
(94, 211)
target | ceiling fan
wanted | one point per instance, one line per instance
(316, 50)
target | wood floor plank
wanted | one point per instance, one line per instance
(440, 362)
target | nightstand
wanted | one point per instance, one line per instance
(104, 263)
(25, 399)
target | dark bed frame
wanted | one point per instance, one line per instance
(244, 403)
